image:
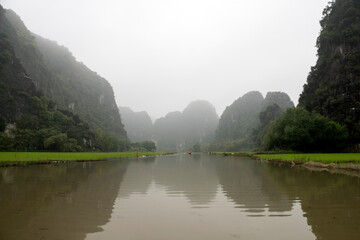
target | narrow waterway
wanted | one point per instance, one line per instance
(177, 197)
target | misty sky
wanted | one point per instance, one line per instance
(161, 54)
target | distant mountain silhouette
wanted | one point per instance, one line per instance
(138, 125)
(180, 131)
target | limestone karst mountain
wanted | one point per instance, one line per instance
(138, 125)
(68, 83)
(180, 131)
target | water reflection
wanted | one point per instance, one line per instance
(64, 201)
(202, 197)
(177, 197)
(138, 177)
(247, 184)
(194, 176)
(331, 202)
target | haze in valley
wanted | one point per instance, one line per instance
(159, 55)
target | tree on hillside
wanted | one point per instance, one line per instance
(333, 85)
(299, 130)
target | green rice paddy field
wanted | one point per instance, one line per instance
(28, 157)
(315, 157)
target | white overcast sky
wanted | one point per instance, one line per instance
(159, 55)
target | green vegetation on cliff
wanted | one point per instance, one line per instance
(240, 117)
(244, 123)
(50, 102)
(332, 87)
(328, 116)
(29, 120)
(70, 85)
(81, 90)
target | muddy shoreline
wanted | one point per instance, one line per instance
(344, 168)
(336, 168)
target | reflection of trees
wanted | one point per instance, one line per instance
(331, 202)
(243, 180)
(64, 201)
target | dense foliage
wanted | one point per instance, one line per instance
(145, 146)
(332, 87)
(299, 130)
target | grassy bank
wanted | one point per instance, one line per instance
(325, 158)
(13, 158)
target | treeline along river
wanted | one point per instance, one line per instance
(177, 197)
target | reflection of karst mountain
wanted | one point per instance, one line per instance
(138, 177)
(194, 176)
(180, 131)
(58, 202)
(71, 200)
(331, 202)
(243, 180)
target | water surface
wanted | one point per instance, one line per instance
(177, 197)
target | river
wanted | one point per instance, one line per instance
(177, 197)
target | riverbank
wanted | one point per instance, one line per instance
(22, 158)
(329, 161)
(323, 158)
(338, 163)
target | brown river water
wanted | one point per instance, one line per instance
(177, 197)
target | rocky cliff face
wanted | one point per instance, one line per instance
(28, 120)
(240, 118)
(332, 87)
(16, 85)
(69, 84)
(279, 98)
